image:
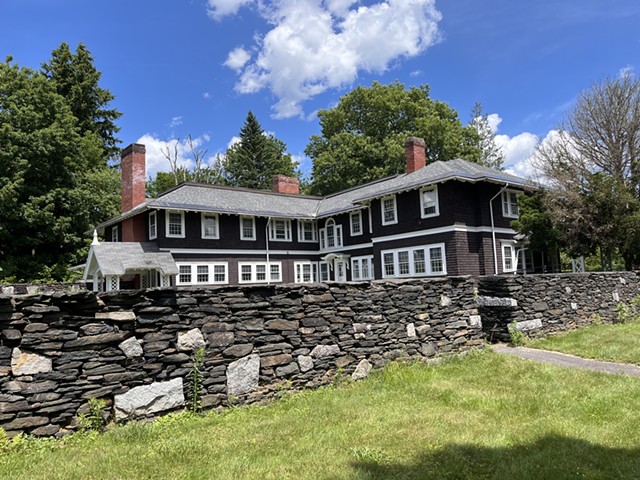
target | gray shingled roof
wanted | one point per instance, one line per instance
(115, 258)
(213, 198)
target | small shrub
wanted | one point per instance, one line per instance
(597, 319)
(96, 419)
(194, 385)
(628, 312)
(518, 338)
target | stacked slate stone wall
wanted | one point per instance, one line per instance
(135, 348)
(36, 288)
(548, 304)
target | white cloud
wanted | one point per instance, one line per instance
(518, 153)
(237, 58)
(628, 71)
(217, 9)
(206, 95)
(494, 121)
(157, 161)
(314, 46)
(175, 121)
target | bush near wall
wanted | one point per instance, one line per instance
(135, 348)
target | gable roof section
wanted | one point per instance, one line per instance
(118, 258)
(243, 201)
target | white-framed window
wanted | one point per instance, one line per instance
(174, 224)
(114, 233)
(210, 225)
(389, 210)
(510, 203)
(509, 259)
(259, 272)
(202, 273)
(355, 221)
(153, 225)
(247, 228)
(280, 230)
(306, 272)
(307, 231)
(362, 268)
(323, 268)
(429, 205)
(330, 235)
(414, 261)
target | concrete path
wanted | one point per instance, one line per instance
(565, 360)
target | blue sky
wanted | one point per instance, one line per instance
(197, 67)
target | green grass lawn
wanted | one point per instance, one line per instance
(619, 342)
(483, 416)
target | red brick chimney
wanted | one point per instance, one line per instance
(415, 154)
(284, 184)
(134, 173)
(134, 191)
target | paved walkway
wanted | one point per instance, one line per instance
(565, 360)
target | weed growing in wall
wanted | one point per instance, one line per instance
(518, 338)
(96, 419)
(628, 312)
(194, 382)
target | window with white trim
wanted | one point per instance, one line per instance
(355, 221)
(256, 272)
(362, 268)
(280, 230)
(210, 225)
(510, 203)
(389, 210)
(509, 260)
(153, 225)
(414, 261)
(202, 273)
(429, 202)
(307, 231)
(324, 271)
(174, 224)
(114, 233)
(330, 235)
(247, 228)
(306, 272)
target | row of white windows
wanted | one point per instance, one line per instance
(330, 235)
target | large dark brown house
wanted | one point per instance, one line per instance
(445, 218)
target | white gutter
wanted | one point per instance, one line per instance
(493, 229)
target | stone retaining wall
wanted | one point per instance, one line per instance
(134, 348)
(553, 303)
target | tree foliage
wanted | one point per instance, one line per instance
(491, 154)
(75, 78)
(593, 171)
(363, 137)
(54, 181)
(256, 158)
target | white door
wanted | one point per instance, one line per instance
(341, 271)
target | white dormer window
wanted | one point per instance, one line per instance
(175, 224)
(210, 226)
(355, 220)
(510, 203)
(247, 228)
(280, 230)
(389, 210)
(153, 225)
(429, 202)
(114, 233)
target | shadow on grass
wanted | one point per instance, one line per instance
(551, 457)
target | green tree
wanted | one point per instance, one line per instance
(593, 171)
(256, 158)
(75, 77)
(492, 155)
(363, 137)
(54, 184)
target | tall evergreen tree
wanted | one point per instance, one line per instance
(53, 182)
(75, 78)
(492, 154)
(256, 158)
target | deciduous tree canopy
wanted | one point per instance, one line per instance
(363, 136)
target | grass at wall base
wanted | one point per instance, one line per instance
(479, 416)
